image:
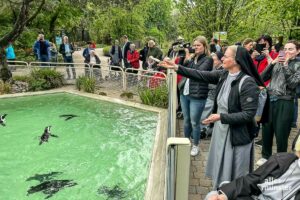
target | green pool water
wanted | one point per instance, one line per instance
(105, 153)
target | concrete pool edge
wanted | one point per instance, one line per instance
(155, 186)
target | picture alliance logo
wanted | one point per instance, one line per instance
(275, 185)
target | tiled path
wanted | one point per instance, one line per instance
(201, 185)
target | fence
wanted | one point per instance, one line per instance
(109, 79)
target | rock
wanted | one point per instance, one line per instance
(19, 86)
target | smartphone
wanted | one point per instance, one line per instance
(281, 54)
(260, 47)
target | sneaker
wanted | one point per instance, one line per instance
(195, 150)
(261, 161)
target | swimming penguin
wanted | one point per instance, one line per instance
(46, 135)
(2, 119)
(68, 116)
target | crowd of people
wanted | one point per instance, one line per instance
(236, 77)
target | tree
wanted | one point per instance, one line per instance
(25, 16)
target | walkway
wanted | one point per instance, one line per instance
(201, 185)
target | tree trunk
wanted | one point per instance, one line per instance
(23, 19)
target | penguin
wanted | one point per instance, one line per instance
(2, 119)
(46, 135)
(68, 116)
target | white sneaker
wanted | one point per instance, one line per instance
(195, 150)
(261, 161)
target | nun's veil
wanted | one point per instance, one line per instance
(244, 59)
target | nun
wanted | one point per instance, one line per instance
(235, 106)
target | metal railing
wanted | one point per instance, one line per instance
(107, 76)
(178, 150)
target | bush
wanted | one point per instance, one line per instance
(5, 88)
(106, 50)
(21, 78)
(157, 96)
(42, 79)
(86, 83)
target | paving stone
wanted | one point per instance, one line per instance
(201, 185)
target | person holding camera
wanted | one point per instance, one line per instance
(193, 94)
(284, 73)
(42, 49)
(264, 54)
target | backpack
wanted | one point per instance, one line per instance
(262, 97)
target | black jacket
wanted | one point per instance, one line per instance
(126, 48)
(242, 188)
(242, 105)
(63, 51)
(198, 89)
(112, 51)
(284, 80)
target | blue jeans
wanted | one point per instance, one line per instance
(69, 60)
(192, 109)
(44, 58)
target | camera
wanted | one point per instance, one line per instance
(260, 47)
(184, 46)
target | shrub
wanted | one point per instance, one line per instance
(79, 82)
(46, 78)
(157, 96)
(4, 87)
(86, 83)
(106, 50)
(42, 79)
(21, 78)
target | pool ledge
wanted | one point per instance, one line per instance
(156, 183)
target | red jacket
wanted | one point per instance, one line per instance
(179, 77)
(133, 59)
(261, 66)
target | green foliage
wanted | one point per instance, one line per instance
(162, 19)
(157, 96)
(48, 78)
(22, 78)
(42, 79)
(106, 50)
(5, 88)
(86, 83)
(5, 74)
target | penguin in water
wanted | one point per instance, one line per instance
(2, 119)
(46, 135)
(68, 116)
